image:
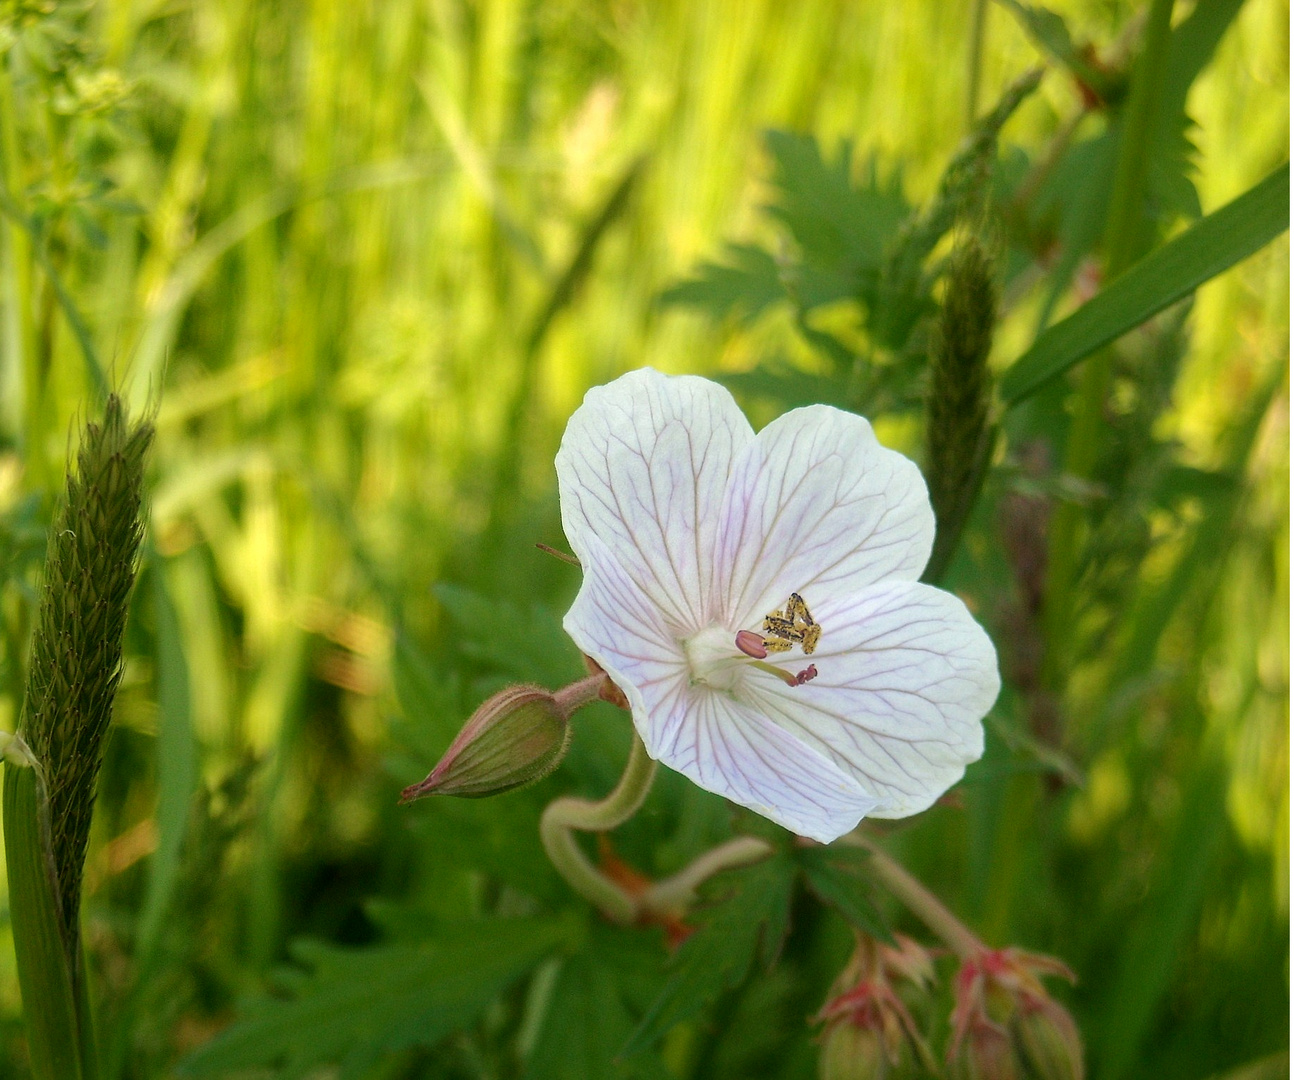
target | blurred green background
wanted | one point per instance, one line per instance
(365, 259)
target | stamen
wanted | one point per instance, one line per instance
(751, 644)
(794, 625)
(785, 676)
(811, 672)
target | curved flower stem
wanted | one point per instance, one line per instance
(918, 899)
(579, 693)
(676, 893)
(563, 815)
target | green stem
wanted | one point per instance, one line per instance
(918, 899)
(1124, 240)
(562, 816)
(675, 894)
(580, 693)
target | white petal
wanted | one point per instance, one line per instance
(613, 621)
(905, 675)
(733, 751)
(643, 466)
(817, 506)
(716, 742)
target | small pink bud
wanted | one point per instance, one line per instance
(870, 1034)
(518, 736)
(859, 1053)
(1006, 1025)
(1050, 1041)
(751, 644)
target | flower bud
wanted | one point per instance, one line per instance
(1050, 1042)
(869, 1034)
(1005, 1025)
(518, 736)
(856, 1053)
(985, 1053)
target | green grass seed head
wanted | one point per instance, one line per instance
(957, 407)
(76, 650)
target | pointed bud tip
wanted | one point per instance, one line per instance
(516, 737)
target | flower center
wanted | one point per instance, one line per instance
(714, 660)
(721, 660)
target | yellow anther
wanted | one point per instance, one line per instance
(794, 625)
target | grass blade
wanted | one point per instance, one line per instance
(177, 763)
(49, 998)
(1166, 275)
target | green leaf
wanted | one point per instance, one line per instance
(1163, 277)
(353, 1006)
(747, 284)
(842, 228)
(786, 386)
(521, 643)
(1167, 917)
(747, 925)
(586, 1025)
(835, 877)
(1195, 39)
(177, 763)
(590, 1012)
(44, 975)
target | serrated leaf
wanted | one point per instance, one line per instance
(1163, 277)
(842, 228)
(497, 837)
(837, 877)
(786, 386)
(585, 1026)
(1195, 39)
(746, 285)
(522, 643)
(590, 1015)
(747, 926)
(349, 1006)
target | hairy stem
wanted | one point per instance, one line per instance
(562, 816)
(580, 693)
(917, 898)
(677, 893)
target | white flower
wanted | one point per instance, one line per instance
(691, 528)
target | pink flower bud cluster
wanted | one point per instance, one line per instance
(1005, 1024)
